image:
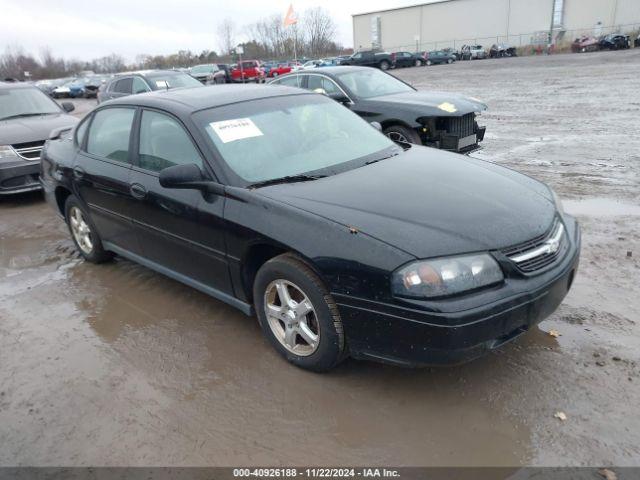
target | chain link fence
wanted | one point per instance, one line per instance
(525, 43)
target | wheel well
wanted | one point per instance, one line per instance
(394, 122)
(256, 256)
(61, 198)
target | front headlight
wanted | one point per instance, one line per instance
(557, 201)
(8, 154)
(446, 276)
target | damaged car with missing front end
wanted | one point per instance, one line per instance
(434, 119)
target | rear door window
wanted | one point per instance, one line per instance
(109, 133)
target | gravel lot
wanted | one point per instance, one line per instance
(117, 365)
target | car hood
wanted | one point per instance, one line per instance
(441, 104)
(32, 129)
(429, 203)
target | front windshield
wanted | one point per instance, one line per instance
(25, 101)
(291, 135)
(160, 81)
(371, 82)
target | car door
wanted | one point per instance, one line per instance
(101, 174)
(169, 222)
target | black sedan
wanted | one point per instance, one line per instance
(440, 120)
(27, 117)
(286, 205)
(615, 42)
(406, 59)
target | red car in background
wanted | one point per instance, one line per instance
(248, 71)
(281, 69)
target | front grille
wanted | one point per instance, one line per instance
(462, 126)
(540, 251)
(30, 150)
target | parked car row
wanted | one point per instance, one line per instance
(605, 42)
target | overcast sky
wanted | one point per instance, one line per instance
(88, 29)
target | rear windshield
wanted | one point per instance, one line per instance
(163, 80)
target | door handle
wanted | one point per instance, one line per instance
(78, 173)
(137, 191)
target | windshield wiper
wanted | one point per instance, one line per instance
(287, 179)
(25, 115)
(382, 158)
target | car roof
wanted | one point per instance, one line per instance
(16, 85)
(331, 71)
(194, 99)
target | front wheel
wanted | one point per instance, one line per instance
(384, 65)
(401, 134)
(84, 233)
(418, 63)
(298, 315)
(450, 61)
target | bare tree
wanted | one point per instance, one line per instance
(320, 30)
(227, 35)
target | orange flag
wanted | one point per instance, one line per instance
(291, 17)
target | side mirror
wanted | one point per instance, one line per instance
(68, 106)
(188, 176)
(377, 126)
(339, 97)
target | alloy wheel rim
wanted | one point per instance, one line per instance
(397, 137)
(292, 317)
(80, 230)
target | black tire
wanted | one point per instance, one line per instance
(384, 65)
(98, 254)
(418, 63)
(331, 349)
(429, 63)
(409, 134)
(450, 61)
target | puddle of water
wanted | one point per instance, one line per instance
(601, 207)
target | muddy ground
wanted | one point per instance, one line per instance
(117, 365)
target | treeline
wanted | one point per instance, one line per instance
(313, 36)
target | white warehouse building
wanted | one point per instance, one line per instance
(452, 23)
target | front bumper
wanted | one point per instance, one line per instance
(404, 334)
(19, 177)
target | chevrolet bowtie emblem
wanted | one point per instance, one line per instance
(552, 245)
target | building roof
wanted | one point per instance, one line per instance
(413, 5)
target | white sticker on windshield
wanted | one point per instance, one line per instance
(162, 84)
(237, 129)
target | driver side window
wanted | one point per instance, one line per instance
(139, 85)
(164, 143)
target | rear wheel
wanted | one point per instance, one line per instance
(384, 65)
(429, 63)
(399, 133)
(84, 233)
(298, 315)
(418, 63)
(450, 60)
